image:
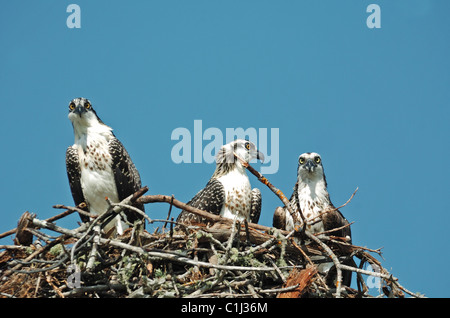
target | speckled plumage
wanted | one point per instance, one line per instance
(98, 165)
(310, 196)
(228, 193)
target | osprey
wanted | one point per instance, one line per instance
(99, 167)
(228, 193)
(311, 197)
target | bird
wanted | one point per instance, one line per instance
(228, 193)
(311, 198)
(99, 167)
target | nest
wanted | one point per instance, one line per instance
(223, 258)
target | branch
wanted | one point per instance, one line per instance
(142, 251)
(70, 210)
(209, 216)
(319, 217)
(333, 257)
(274, 189)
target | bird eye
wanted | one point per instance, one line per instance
(317, 159)
(87, 106)
(247, 145)
(71, 106)
(301, 160)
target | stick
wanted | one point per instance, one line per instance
(32, 256)
(139, 250)
(69, 211)
(319, 217)
(168, 213)
(274, 189)
(209, 216)
(334, 258)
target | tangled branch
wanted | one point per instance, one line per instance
(227, 258)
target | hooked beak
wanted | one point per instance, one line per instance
(310, 165)
(79, 110)
(259, 155)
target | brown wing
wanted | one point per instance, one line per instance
(334, 220)
(126, 177)
(256, 205)
(279, 218)
(74, 175)
(210, 199)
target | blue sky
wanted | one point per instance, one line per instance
(372, 102)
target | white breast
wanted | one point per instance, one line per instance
(97, 178)
(312, 205)
(313, 201)
(312, 197)
(237, 195)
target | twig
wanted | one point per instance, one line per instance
(130, 207)
(319, 217)
(90, 289)
(32, 256)
(141, 251)
(209, 216)
(334, 229)
(69, 211)
(49, 280)
(274, 189)
(278, 290)
(12, 247)
(333, 257)
(93, 253)
(162, 264)
(168, 213)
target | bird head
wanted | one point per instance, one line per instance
(246, 150)
(310, 166)
(82, 113)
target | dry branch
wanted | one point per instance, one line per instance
(222, 259)
(274, 189)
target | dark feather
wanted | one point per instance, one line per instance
(255, 211)
(279, 218)
(333, 220)
(126, 176)
(210, 199)
(74, 175)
